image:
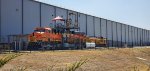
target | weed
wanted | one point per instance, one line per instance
(72, 67)
(135, 68)
(4, 60)
(76, 65)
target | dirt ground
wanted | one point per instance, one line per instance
(123, 59)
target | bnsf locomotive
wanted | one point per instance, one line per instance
(60, 37)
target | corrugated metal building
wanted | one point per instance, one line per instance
(22, 16)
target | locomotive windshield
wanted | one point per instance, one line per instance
(42, 30)
(39, 30)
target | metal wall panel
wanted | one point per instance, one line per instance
(140, 31)
(90, 26)
(97, 27)
(139, 37)
(47, 14)
(130, 36)
(31, 16)
(133, 36)
(123, 34)
(127, 34)
(114, 33)
(146, 37)
(149, 37)
(119, 34)
(11, 20)
(132, 33)
(136, 36)
(109, 33)
(103, 28)
(82, 22)
(143, 37)
(62, 13)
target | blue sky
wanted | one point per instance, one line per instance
(131, 12)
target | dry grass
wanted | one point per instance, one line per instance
(98, 60)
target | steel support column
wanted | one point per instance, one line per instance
(0, 19)
(94, 25)
(106, 35)
(117, 34)
(22, 16)
(121, 35)
(86, 24)
(40, 15)
(112, 33)
(100, 27)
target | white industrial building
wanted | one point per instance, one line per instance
(22, 16)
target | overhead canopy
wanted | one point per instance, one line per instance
(58, 18)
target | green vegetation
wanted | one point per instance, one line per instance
(5, 60)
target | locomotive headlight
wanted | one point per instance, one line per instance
(40, 32)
